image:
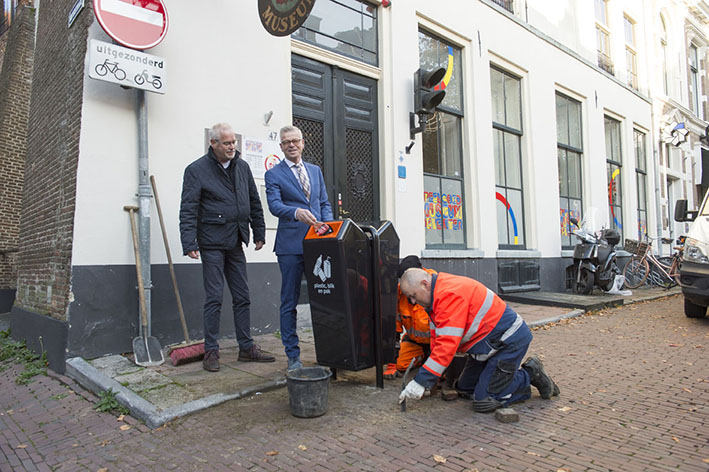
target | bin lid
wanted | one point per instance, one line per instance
(335, 225)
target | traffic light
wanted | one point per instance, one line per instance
(425, 98)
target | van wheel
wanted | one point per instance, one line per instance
(692, 310)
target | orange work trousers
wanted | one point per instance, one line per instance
(407, 351)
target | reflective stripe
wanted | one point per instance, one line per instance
(431, 325)
(484, 357)
(421, 334)
(449, 331)
(434, 366)
(512, 329)
(489, 298)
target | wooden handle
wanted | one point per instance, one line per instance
(139, 269)
(169, 260)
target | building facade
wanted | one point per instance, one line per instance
(550, 112)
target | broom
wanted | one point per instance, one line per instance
(188, 351)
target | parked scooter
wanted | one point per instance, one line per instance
(594, 259)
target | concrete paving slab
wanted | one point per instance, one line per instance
(567, 300)
(202, 383)
(145, 379)
(169, 396)
(115, 365)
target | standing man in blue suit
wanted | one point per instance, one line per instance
(296, 195)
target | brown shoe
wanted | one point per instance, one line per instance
(254, 354)
(211, 361)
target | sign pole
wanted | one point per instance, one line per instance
(144, 196)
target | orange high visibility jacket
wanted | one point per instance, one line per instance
(414, 318)
(463, 311)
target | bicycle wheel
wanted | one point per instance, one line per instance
(663, 279)
(101, 69)
(635, 272)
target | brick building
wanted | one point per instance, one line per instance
(16, 66)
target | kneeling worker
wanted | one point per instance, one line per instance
(469, 318)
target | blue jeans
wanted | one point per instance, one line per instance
(291, 274)
(218, 264)
(476, 375)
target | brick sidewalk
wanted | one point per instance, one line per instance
(634, 383)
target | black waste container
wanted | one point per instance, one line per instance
(385, 256)
(351, 304)
(338, 269)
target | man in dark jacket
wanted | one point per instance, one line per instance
(219, 201)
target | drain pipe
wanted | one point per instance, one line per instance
(144, 195)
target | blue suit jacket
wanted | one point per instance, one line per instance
(285, 195)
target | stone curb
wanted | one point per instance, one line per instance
(554, 319)
(92, 379)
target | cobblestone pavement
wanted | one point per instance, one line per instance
(634, 387)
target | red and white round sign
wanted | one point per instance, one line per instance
(137, 24)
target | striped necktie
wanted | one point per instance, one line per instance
(303, 180)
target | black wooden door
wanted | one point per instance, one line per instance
(337, 112)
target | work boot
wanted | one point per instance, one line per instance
(537, 377)
(391, 372)
(254, 354)
(211, 360)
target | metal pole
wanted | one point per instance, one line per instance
(144, 195)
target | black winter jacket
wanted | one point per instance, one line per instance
(217, 207)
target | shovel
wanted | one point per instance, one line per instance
(146, 349)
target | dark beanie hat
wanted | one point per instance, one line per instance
(407, 263)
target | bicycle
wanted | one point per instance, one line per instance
(112, 67)
(662, 271)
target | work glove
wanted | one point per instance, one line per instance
(413, 390)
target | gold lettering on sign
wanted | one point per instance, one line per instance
(268, 17)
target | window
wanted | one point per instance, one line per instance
(663, 55)
(444, 208)
(348, 27)
(641, 181)
(694, 78)
(603, 42)
(631, 62)
(506, 4)
(569, 151)
(507, 146)
(613, 168)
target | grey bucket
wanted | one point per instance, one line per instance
(307, 391)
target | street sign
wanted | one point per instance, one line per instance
(137, 24)
(126, 67)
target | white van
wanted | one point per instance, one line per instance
(694, 272)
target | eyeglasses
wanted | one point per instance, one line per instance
(227, 143)
(288, 142)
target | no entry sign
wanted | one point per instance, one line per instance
(137, 24)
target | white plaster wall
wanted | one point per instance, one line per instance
(544, 69)
(223, 66)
